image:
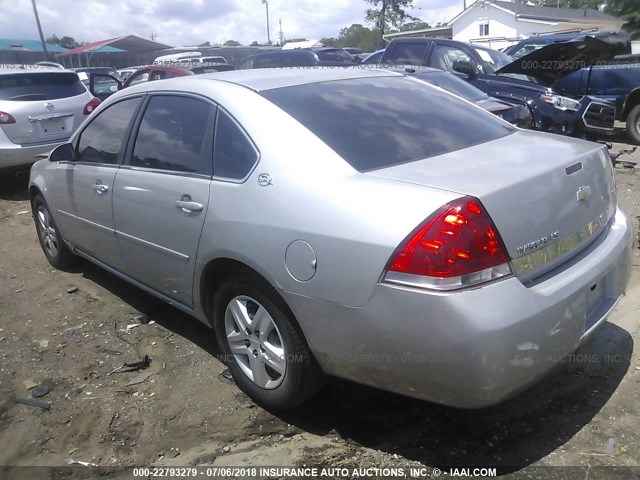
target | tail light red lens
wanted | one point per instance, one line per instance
(6, 118)
(91, 106)
(457, 246)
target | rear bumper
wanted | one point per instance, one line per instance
(474, 348)
(13, 155)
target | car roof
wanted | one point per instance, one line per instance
(12, 69)
(266, 78)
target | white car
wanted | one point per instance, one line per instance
(40, 107)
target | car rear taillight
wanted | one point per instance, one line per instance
(456, 247)
(91, 106)
(6, 118)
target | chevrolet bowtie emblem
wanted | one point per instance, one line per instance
(583, 193)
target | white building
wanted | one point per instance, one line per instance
(499, 23)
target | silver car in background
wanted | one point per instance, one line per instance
(343, 222)
(40, 107)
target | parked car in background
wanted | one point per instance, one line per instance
(620, 41)
(299, 57)
(615, 79)
(154, 72)
(40, 107)
(126, 72)
(401, 223)
(516, 114)
(582, 116)
(373, 58)
(100, 81)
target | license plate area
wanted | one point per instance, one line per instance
(54, 126)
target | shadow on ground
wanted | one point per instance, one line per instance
(511, 435)
(14, 187)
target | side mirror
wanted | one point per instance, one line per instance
(467, 68)
(63, 153)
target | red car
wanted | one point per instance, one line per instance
(155, 72)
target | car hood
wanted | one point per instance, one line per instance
(557, 60)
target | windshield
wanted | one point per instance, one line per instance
(453, 84)
(378, 122)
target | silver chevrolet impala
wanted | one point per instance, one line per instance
(357, 224)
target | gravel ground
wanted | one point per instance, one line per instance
(69, 331)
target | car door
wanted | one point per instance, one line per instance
(102, 85)
(83, 188)
(161, 194)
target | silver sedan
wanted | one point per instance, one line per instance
(358, 224)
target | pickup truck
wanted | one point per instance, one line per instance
(618, 82)
(581, 115)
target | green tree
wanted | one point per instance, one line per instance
(414, 25)
(254, 44)
(64, 42)
(232, 43)
(388, 13)
(629, 11)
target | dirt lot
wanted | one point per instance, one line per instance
(70, 330)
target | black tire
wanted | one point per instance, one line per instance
(633, 125)
(52, 243)
(302, 377)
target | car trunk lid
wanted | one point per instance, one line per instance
(548, 200)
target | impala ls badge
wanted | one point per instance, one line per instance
(583, 193)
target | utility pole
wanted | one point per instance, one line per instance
(281, 33)
(266, 4)
(44, 45)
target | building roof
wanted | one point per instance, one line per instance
(128, 43)
(435, 32)
(555, 14)
(302, 44)
(545, 14)
(28, 46)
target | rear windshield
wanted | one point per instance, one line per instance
(375, 123)
(28, 87)
(337, 55)
(453, 84)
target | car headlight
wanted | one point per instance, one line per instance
(560, 102)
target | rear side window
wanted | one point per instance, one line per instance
(379, 122)
(173, 135)
(102, 139)
(408, 54)
(233, 155)
(31, 87)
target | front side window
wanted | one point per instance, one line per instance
(139, 77)
(173, 135)
(444, 56)
(102, 140)
(233, 155)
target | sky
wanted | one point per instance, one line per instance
(192, 22)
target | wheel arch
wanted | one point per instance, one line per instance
(216, 271)
(631, 101)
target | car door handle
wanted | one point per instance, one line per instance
(188, 207)
(100, 189)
